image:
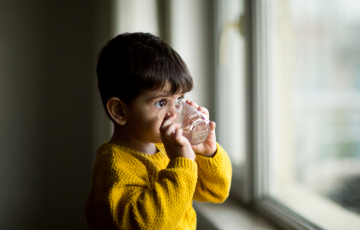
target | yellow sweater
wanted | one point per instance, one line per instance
(133, 190)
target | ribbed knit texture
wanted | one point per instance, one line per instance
(133, 190)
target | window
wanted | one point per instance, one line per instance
(307, 112)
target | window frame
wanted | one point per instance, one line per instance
(251, 180)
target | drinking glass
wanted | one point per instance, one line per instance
(195, 124)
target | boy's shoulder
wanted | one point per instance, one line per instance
(110, 150)
(115, 157)
(117, 164)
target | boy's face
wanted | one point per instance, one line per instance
(147, 112)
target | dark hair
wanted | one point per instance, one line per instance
(133, 62)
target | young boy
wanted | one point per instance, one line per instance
(147, 175)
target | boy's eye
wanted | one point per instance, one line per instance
(160, 104)
(178, 101)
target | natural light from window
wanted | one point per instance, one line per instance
(314, 109)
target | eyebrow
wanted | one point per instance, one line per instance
(160, 95)
(163, 95)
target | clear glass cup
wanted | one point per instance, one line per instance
(195, 124)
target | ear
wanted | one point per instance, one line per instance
(117, 110)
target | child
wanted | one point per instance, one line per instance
(147, 175)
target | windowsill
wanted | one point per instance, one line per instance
(317, 208)
(228, 215)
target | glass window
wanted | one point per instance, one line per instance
(313, 59)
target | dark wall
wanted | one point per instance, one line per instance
(51, 119)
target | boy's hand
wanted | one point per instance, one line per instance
(208, 147)
(176, 145)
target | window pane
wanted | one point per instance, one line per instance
(314, 63)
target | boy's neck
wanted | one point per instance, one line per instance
(128, 141)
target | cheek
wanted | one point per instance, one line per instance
(160, 117)
(153, 121)
(157, 121)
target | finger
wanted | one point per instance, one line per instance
(212, 134)
(212, 126)
(168, 119)
(179, 138)
(193, 104)
(167, 115)
(199, 108)
(169, 130)
(167, 133)
(204, 111)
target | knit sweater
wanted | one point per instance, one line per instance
(133, 190)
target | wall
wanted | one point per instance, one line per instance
(50, 119)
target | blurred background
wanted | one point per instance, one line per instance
(49, 122)
(52, 120)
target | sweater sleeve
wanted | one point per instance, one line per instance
(214, 177)
(131, 203)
